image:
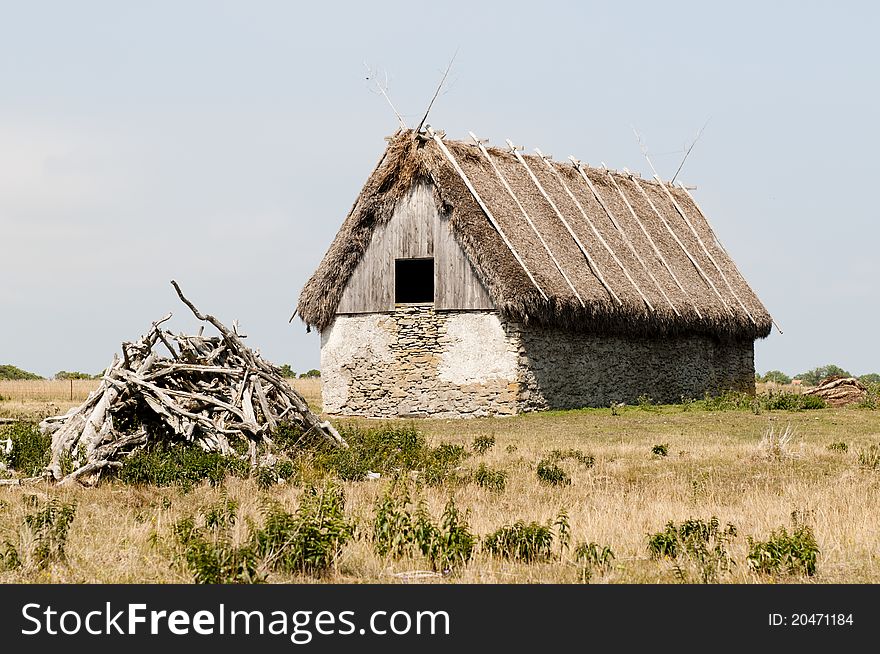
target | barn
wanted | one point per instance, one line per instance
(470, 280)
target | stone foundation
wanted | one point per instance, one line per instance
(416, 361)
(566, 370)
(419, 362)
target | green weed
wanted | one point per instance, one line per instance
(483, 444)
(794, 553)
(702, 543)
(486, 477)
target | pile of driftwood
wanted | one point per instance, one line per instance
(839, 391)
(210, 391)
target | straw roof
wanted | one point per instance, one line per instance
(560, 244)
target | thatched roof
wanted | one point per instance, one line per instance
(557, 243)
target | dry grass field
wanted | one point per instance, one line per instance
(718, 463)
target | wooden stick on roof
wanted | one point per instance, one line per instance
(705, 249)
(579, 167)
(525, 215)
(624, 235)
(437, 92)
(470, 187)
(654, 245)
(683, 248)
(596, 233)
(717, 241)
(650, 240)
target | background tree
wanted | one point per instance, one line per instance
(814, 376)
(777, 377)
(64, 374)
(287, 372)
(9, 371)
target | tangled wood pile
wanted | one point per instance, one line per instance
(211, 391)
(839, 391)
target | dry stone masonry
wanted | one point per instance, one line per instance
(416, 361)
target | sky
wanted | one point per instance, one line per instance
(222, 144)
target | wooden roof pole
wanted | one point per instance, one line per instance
(562, 218)
(705, 249)
(718, 242)
(660, 254)
(577, 166)
(593, 265)
(650, 240)
(626, 240)
(682, 246)
(470, 187)
(525, 214)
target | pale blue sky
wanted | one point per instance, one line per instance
(222, 143)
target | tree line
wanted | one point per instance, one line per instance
(816, 375)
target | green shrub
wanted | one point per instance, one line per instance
(587, 460)
(29, 454)
(440, 463)
(208, 552)
(660, 450)
(812, 402)
(551, 474)
(449, 546)
(791, 402)
(393, 529)
(179, 465)
(702, 543)
(794, 553)
(279, 472)
(306, 541)
(483, 444)
(521, 542)
(647, 404)
(726, 401)
(309, 540)
(46, 540)
(870, 457)
(772, 401)
(872, 397)
(486, 477)
(389, 449)
(310, 374)
(528, 543)
(397, 532)
(266, 477)
(593, 558)
(287, 438)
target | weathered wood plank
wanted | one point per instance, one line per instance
(416, 230)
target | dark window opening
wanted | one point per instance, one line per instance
(413, 281)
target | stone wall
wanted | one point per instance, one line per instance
(564, 370)
(416, 361)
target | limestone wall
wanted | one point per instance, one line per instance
(561, 370)
(416, 361)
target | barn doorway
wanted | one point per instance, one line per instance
(414, 281)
